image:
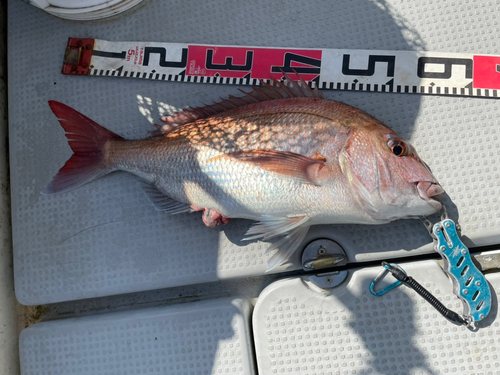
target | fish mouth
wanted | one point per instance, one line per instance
(428, 191)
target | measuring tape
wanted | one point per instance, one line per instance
(436, 73)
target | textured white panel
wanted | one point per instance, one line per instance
(300, 329)
(105, 238)
(210, 337)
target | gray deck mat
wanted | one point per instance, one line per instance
(105, 238)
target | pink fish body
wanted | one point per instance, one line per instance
(281, 155)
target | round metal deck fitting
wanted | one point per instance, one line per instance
(329, 280)
(323, 253)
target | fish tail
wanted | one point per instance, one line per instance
(87, 139)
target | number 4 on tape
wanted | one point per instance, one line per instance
(435, 73)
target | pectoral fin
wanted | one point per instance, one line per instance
(298, 166)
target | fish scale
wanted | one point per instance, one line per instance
(282, 155)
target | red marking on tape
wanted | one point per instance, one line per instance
(77, 56)
(258, 63)
(486, 72)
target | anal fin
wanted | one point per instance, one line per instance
(162, 202)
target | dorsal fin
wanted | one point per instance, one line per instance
(271, 90)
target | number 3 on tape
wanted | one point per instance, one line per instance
(435, 73)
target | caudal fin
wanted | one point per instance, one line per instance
(87, 139)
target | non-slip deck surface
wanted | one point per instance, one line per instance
(105, 238)
(300, 329)
(209, 337)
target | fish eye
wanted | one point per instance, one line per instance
(398, 148)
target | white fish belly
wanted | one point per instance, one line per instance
(242, 190)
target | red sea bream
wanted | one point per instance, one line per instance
(281, 155)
